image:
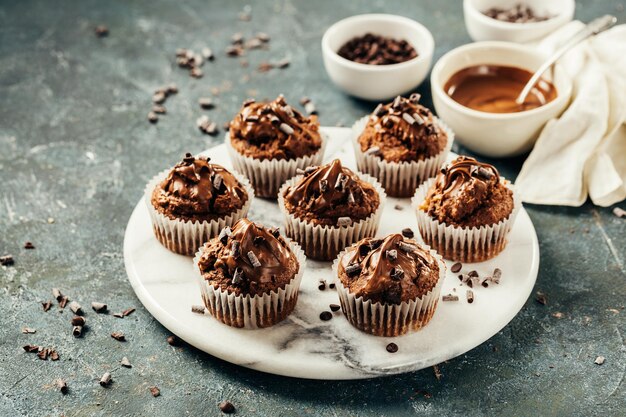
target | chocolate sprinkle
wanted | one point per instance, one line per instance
(450, 297)
(285, 128)
(392, 348)
(198, 309)
(326, 315)
(456, 267)
(470, 296)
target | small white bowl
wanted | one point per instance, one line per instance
(483, 28)
(496, 134)
(377, 82)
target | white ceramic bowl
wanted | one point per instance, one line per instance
(377, 82)
(483, 28)
(496, 134)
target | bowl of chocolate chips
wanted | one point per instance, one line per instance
(377, 56)
(517, 21)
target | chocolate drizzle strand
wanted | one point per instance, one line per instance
(250, 260)
(376, 270)
(402, 131)
(274, 130)
(196, 189)
(331, 195)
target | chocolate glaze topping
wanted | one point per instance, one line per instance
(198, 190)
(330, 192)
(389, 270)
(468, 193)
(248, 259)
(403, 130)
(274, 130)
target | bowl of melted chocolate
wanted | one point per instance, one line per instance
(475, 88)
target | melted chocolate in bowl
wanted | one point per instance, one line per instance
(494, 88)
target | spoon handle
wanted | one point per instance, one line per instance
(592, 28)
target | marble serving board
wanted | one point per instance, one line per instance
(303, 345)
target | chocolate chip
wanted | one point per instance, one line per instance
(484, 173)
(408, 233)
(206, 103)
(101, 31)
(6, 260)
(392, 254)
(253, 259)
(322, 285)
(456, 267)
(364, 249)
(392, 348)
(470, 296)
(344, 221)
(485, 282)
(375, 243)
(29, 245)
(125, 362)
(226, 407)
(225, 234)
(275, 231)
(155, 391)
(285, 128)
(353, 270)
(61, 385)
(334, 307)
(119, 336)
(198, 309)
(258, 240)
(106, 379)
(450, 297)
(78, 321)
(326, 315)
(152, 117)
(237, 276)
(331, 285)
(397, 273)
(99, 307)
(234, 248)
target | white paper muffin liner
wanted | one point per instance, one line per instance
(463, 244)
(324, 242)
(186, 236)
(389, 319)
(267, 175)
(399, 179)
(252, 312)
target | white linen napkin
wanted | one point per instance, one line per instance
(583, 152)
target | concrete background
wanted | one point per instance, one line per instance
(75, 147)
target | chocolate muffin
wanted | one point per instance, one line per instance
(193, 201)
(399, 280)
(402, 144)
(246, 265)
(330, 207)
(269, 141)
(476, 206)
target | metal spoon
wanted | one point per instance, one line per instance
(593, 28)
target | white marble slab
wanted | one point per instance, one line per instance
(303, 345)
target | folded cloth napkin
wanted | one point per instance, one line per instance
(583, 152)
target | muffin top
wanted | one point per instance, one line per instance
(249, 259)
(389, 271)
(403, 131)
(331, 195)
(198, 190)
(274, 130)
(468, 193)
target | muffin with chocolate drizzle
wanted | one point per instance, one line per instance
(402, 144)
(269, 141)
(476, 206)
(249, 275)
(329, 207)
(389, 286)
(193, 201)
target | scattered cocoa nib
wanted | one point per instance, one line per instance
(619, 212)
(119, 336)
(57, 294)
(29, 245)
(541, 298)
(322, 285)
(392, 348)
(172, 340)
(28, 330)
(77, 331)
(450, 297)
(198, 309)
(101, 31)
(6, 260)
(128, 311)
(30, 348)
(599, 360)
(155, 391)
(125, 362)
(99, 307)
(226, 407)
(377, 50)
(470, 296)
(456, 267)
(63, 301)
(106, 379)
(61, 385)
(47, 305)
(76, 308)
